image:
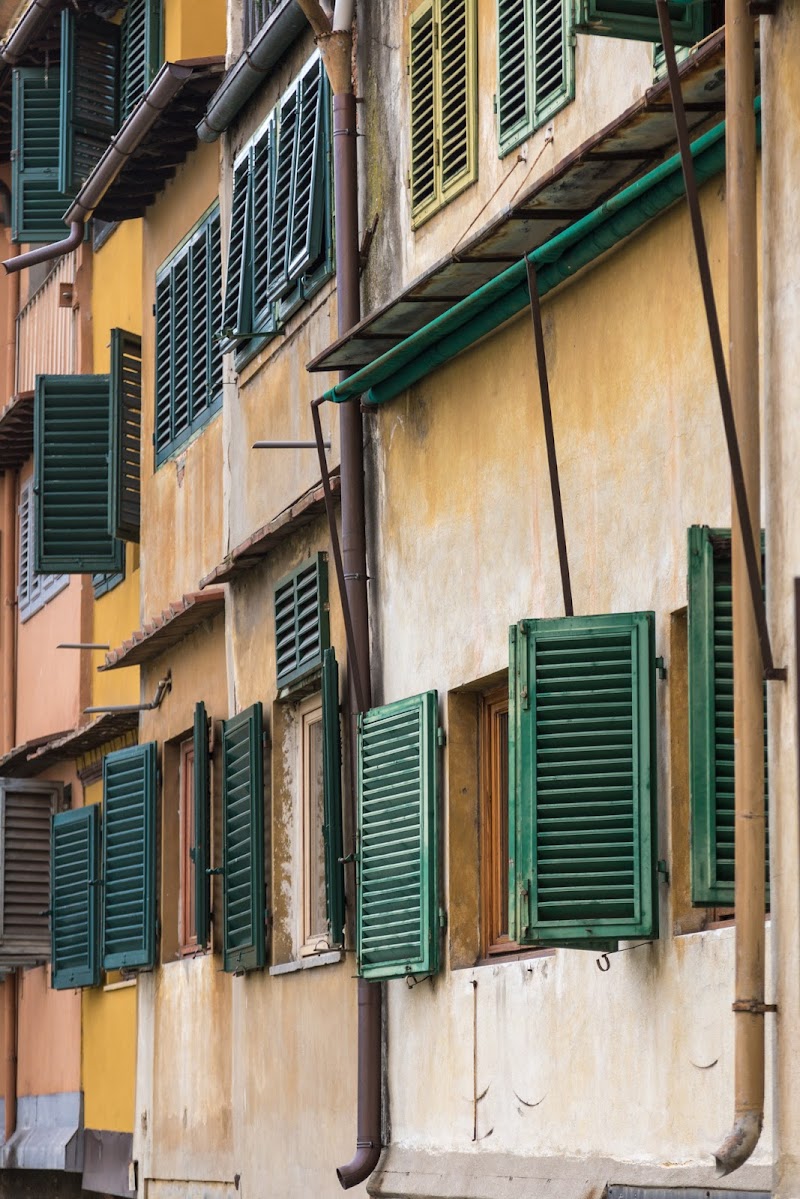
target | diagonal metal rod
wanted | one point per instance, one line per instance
(752, 556)
(352, 655)
(547, 416)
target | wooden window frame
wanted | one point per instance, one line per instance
(494, 825)
(309, 714)
(187, 927)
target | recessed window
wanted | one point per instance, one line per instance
(494, 822)
(187, 917)
(314, 933)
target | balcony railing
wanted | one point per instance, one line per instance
(47, 328)
(255, 14)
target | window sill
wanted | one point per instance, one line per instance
(309, 963)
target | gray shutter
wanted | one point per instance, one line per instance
(26, 811)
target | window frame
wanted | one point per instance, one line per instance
(308, 714)
(494, 822)
(187, 915)
(38, 589)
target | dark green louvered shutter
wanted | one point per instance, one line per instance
(308, 173)
(711, 718)
(141, 52)
(129, 857)
(126, 435)
(72, 446)
(243, 841)
(280, 224)
(238, 308)
(582, 780)
(89, 95)
(262, 179)
(37, 205)
(201, 850)
(332, 796)
(75, 899)
(534, 65)
(638, 19)
(397, 925)
(302, 626)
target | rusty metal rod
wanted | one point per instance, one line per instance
(549, 437)
(751, 545)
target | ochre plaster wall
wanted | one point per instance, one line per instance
(193, 29)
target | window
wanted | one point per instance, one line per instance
(443, 77)
(314, 909)
(280, 244)
(535, 68)
(34, 590)
(493, 752)
(103, 583)
(26, 809)
(582, 785)
(711, 717)
(75, 901)
(188, 357)
(129, 858)
(302, 627)
(397, 924)
(244, 897)
(187, 917)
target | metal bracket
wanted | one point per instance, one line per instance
(754, 1006)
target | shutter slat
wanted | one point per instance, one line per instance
(423, 110)
(37, 204)
(126, 432)
(129, 848)
(243, 841)
(90, 52)
(74, 923)
(201, 850)
(301, 621)
(141, 51)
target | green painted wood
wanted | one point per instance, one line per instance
(238, 306)
(71, 476)
(89, 82)
(308, 172)
(583, 809)
(37, 204)
(261, 177)
(424, 122)
(129, 857)
(75, 898)
(535, 66)
(302, 625)
(126, 435)
(201, 850)
(141, 50)
(332, 797)
(711, 742)
(397, 926)
(244, 908)
(638, 19)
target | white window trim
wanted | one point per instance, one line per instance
(34, 591)
(309, 942)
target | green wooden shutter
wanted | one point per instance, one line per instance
(553, 83)
(129, 857)
(89, 95)
(72, 446)
(457, 95)
(422, 64)
(262, 177)
(280, 223)
(243, 841)
(711, 742)
(163, 429)
(238, 308)
(126, 435)
(308, 175)
(302, 627)
(638, 19)
(514, 66)
(332, 797)
(37, 205)
(201, 850)
(180, 346)
(141, 51)
(397, 926)
(582, 796)
(75, 903)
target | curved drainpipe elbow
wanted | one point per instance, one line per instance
(362, 1165)
(739, 1144)
(46, 253)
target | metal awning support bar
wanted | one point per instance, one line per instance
(751, 552)
(288, 445)
(330, 510)
(164, 686)
(547, 417)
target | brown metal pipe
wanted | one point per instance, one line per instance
(10, 1033)
(19, 262)
(748, 697)
(368, 1147)
(8, 548)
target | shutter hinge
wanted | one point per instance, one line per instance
(441, 737)
(494, 103)
(662, 869)
(154, 310)
(661, 669)
(442, 918)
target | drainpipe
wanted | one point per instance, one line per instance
(748, 678)
(334, 39)
(8, 556)
(10, 1033)
(28, 28)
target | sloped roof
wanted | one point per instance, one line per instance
(164, 631)
(16, 431)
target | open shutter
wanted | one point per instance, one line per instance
(552, 60)
(29, 583)
(332, 797)
(163, 431)
(75, 905)
(141, 53)
(238, 308)
(262, 176)
(72, 446)
(243, 841)
(37, 204)
(308, 176)
(583, 780)
(457, 92)
(398, 839)
(129, 857)
(280, 224)
(201, 850)
(89, 95)
(711, 742)
(302, 627)
(205, 315)
(126, 435)
(26, 810)
(423, 111)
(638, 19)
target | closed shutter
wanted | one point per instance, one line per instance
(37, 204)
(457, 94)
(163, 430)
(535, 65)
(582, 766)
(397, 927)
(141, 53)
(75, 906)
(332, 797)
(89, 95)
(243, 841)
(126, 435)
(72, 447)
(26, 813)
(201, 850)
(711, 743)
(638, 20)
(302, 628)
(29, 588)
(514, 42)
(129, 857)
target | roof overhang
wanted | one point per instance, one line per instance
(16, 431)
(163, 632)
(30, 759)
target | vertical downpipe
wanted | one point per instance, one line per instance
(8, 555)
(11, 986)
(747, 664)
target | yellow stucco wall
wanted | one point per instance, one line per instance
(194, 29)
